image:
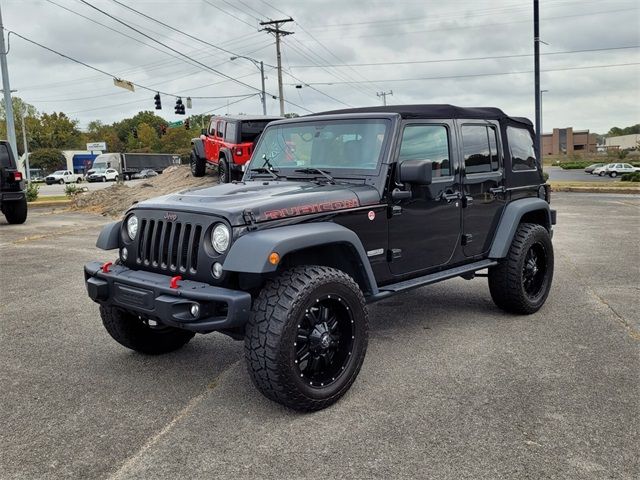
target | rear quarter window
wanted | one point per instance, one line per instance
(523, 156)
(5, 158)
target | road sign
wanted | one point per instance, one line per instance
(96, 146)
(127, 85)
(175, 124)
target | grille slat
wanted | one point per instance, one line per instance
(169, 246)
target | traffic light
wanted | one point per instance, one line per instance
(187, 124)
(179, 109)
(189, 102)
(158, 101)
(135, 133)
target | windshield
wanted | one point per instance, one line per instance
(337, 146)
(58, 172)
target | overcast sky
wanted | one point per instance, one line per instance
(332, 39)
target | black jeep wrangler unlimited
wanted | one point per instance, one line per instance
(13, 200)
(334, 211)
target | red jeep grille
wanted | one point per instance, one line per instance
(171, 246)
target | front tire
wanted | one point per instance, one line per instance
(520, 283)
(307, 336)
(104, 179)
(15, 212)
(61, 182)
(130, 331)
(602, 174)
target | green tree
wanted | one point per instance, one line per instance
(48, 159)
(176, 140)
(147, 136)
(31, 120)
(56, 130)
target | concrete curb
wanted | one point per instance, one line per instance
(50, 203)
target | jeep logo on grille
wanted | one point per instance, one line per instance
(170, 217)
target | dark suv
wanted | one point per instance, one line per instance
(227, 145)
(13, 201)
(334, 211)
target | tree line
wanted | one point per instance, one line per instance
(50, 133)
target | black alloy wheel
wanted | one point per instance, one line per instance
(324, 341)
(534, 270)
(223, 171)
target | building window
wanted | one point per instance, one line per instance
(427, 142)
(523, 156)
(480, 149)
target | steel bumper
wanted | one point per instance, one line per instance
(150, 295)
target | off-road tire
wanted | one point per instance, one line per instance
(15, 212)
(128, 330)
(224, 174)
(506, 280)
(272, 329)
(198, 165)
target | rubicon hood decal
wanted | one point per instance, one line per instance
(311, 208)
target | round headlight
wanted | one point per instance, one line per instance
(220, 237)
(132, 226)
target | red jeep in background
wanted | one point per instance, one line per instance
(226, 145)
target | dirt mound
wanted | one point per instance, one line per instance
(116, 199)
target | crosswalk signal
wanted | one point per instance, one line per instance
(179, 109)
(158, 101)
(187, 124)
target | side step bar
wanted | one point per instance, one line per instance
(406, 285)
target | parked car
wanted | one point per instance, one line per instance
(335, 211)
(103, 175)
(13, 200)
(226, 145)
(62, 177)
(146, 173)
(615, 169)
(592, 167)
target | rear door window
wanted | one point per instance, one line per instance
(523, 156)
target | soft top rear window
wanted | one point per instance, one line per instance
(5, 158)
(251, 129)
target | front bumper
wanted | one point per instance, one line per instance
(150, 295)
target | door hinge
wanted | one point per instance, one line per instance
(467, 238)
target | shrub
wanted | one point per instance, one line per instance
(631, 177)
(71, 190)
(32, 192)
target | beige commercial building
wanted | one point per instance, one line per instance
(623, 142)
(568, 141)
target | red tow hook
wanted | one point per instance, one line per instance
(174, 281)
(106, 266)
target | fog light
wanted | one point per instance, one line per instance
(195, 310)
(217, 270)
(124, 253)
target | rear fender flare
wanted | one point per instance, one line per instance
(198, 147)
(511, 218)
(250, 253)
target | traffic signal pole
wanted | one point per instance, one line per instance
(8, 104)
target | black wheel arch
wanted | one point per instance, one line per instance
(197, 144)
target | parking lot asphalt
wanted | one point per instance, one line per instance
(45, 190)
(451, 386)
(557, 174)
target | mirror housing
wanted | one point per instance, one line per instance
(203, 132)
(416, 172)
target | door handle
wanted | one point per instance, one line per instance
(450, 196)
(497, 190)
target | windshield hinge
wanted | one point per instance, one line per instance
(249, 218)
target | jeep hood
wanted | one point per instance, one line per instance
(267, 200)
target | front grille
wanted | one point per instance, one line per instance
(171, 246)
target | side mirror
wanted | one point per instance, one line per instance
(203, 132)
(416, 172)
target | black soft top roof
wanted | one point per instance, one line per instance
(247, 118)
(435, 111)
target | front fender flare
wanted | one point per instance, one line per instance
(250, 253)
(510, 220)
(109, 238)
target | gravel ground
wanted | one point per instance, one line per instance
(451, 388)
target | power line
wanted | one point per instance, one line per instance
(448, 77)
(447, 60)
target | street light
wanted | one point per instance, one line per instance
(260, 66)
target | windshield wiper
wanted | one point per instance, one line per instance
(265, 170)
(312, 170)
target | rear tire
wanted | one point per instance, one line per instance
(613, 174)
(128, 330)
(198, 165)
(223, 171)
(520, 283)
(306, 337)
(15, 212)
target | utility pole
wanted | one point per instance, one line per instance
(8, 104)
(536, 68)
(273, 26)
(260, 66)
(384, 96)
(26, 149)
